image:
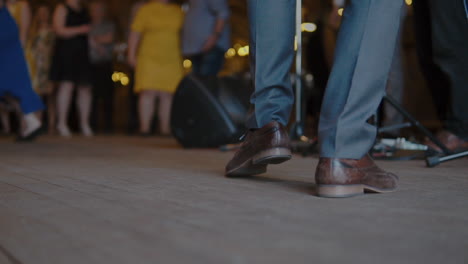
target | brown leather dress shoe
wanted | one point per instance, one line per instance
(267, 145)
(450, 140)
(339, 178)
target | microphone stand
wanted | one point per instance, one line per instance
(299, 142)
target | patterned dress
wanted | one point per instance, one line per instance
(39, 54)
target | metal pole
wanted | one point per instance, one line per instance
(299, 63)
(436, 160)
(416, 123)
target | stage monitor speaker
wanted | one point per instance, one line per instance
(209, 111)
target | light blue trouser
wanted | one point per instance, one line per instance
(272, 27)
(363, 56)
(364, 53)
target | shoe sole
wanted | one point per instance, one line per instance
(258, 163)
(345, 191)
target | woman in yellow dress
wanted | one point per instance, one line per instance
(154, 51)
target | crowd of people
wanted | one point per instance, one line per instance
(69, 50)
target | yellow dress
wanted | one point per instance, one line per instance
(16, 11)
(159, 59)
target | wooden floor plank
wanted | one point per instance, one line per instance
(133, 200)
(86, 227)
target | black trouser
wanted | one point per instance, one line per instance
(208, 63)
(103, 97)
(442, 40)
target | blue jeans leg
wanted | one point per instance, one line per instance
(208, 63)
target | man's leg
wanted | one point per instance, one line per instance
(211, 62)
(363, 56)
(196, 64)
(436, 80)
(450, 42)
(271, 53)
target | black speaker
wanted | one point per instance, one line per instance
(209, 111)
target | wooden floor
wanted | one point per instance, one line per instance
(135, 200)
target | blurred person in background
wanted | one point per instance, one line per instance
(134, 10)
(206, 35)
(442, 46)
(70, 64)
(101, 39)
(15, 76)
(20, 10)
(154, 52)
(39, 53)
(132, 122)
(396, 84)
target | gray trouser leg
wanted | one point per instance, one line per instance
(363, 56)
(395, 84)
(271, 52)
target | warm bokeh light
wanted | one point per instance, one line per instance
(120, 77)
(295, 43)
(187, 64)
(308, 27)
(115, 77)
(244, 51)
(409, 2)
(125, 80)
(340, 11)
(230, 53)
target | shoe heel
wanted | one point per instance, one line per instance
(339, 191)
(272, 156)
